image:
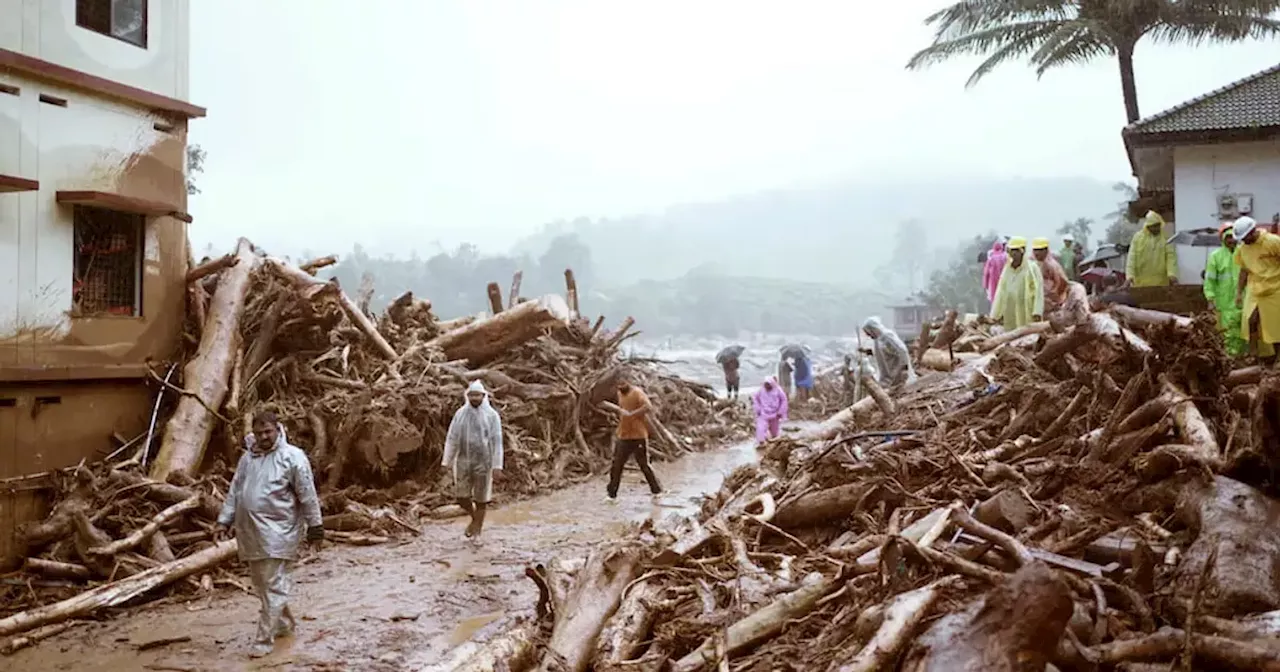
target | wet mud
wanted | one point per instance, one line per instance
(392, 607)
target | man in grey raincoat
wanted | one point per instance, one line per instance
(473, 449)
(893, 360)
(271, 505)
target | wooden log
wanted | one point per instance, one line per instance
(733, 507)
(211, 267)
(624, 634)
(514, 297)
(302, 280)
(947, 333)
(571, 292)
(158, 548)
(935, 359)
(1237, 537)
(513, 651)
(198, 307)
(620, 334)
(822, 507)
(456, 323)
(1192, 427)
(831, 427)
(141, 534)
(1143, 317)
(761, 625)
(595, 596)
(186, 435)
(57, 570)
(318, 263)
(486, 339)
(119, 592)
(1013, 335)
(1015, 626)
(259, 350)
(1066, 342)
(495, 297)
(882, 399)
(900, 620)
(1118, 337)
(167, 493)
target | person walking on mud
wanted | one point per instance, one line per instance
(731, 378)
(271, 505)
(632, 439)
(473, 450)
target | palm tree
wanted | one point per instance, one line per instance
(1053, 33)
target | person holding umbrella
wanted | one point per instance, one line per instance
(728, 359)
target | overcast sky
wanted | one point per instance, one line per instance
(403, 122)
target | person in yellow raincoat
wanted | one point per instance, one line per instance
(1258, 292)
(1019, 298)
(1152, 261)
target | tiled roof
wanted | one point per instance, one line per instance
(1248, 103)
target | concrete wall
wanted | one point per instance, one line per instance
(46, 29)
(1203, 172)
(92, 144)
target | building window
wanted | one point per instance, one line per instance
(107, 273)
(122, 19)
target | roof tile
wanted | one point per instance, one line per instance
(1248, 103)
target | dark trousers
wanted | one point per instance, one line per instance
(623, 450)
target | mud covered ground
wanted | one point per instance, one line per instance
(392, 607)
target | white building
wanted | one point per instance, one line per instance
(1211, 157)
(93, 246)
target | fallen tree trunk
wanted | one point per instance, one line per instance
(1193, 429)
(1149, 318)
(595, 596)
(822, 506)
(1249, 375)
(761, 624)
(1010, 336)
(1237, 535)
(482, 340)
(512, 651)
(57, 570)
(187, 433)
(118, 592)
(141, 534)
(624, 634)
(829, 428)
(735, 506)
(936, 359)
(1016, 626)
(211, 267)
(303, 280)
(899, 622)
(882, 398)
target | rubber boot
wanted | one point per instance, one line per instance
(477, 519)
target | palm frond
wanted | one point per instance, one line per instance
(1007, 41)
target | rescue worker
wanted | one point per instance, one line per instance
(1068, 259)
(632, 439)
(1152, 261)
(1055, 278)
(473, 451)
(893, 360)
(1019, 299)
(1258, 290)
(271, 505)
(1221, 278)
(770, 406)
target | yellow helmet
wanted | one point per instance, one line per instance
(1017, 243)
(1040, 244)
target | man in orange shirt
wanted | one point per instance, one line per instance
(632, 438)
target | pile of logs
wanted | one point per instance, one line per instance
(1081, 496)
(368, 397)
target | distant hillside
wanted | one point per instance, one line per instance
(705, 304)
(838, 234)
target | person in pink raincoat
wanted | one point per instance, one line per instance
(770, 403)
(996, 259)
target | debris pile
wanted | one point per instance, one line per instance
(1087, 495)
(369, 398)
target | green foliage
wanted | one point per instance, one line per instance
(1054, 33)
(959, 284)
(195, 165)
(1123, 225)
(1081, 231)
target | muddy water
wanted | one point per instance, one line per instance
(390, 607)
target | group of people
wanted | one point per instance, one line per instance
(1022, 292)
(1242, 285)
(272, 507)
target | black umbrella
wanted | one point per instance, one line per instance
(729, 352)
(794, 351)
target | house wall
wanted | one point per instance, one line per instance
(1202, 172)
(92, 144)
(46, 29)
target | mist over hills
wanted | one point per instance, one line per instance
(835, 234)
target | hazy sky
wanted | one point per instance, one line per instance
(404, 122)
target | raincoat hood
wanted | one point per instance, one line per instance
(1152, 219)
(997, 246)
(476, 386)
(874, 326)
(251, 440)
(771, 381)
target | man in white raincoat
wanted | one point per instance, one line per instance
(893, 361)
(473, 449)
(272, 504)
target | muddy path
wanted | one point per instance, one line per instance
(391, 607)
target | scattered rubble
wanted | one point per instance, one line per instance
(1089, 494)
(369, 398)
